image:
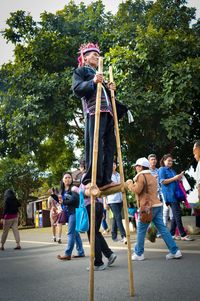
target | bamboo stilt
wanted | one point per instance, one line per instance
(93, 183)
(99, 193)
(131, 282)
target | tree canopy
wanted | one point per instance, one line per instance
(155, 51)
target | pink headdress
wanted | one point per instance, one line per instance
(84, 48)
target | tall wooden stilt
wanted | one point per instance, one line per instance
(119, 153)
(94, 175)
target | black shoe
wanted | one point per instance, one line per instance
(17, 248)
(78, 256)
(59, 241)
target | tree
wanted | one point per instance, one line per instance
(159, 80)
(39, 81)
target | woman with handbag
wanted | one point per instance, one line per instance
(55, 211)
(150, 209)
(171, 193)
(70, 199)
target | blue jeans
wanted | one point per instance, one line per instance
(117, 220)
(163, 230)
(176, 219)
(104, 223)
(72, 237)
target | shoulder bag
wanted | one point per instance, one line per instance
(82, 220)
(145, 210)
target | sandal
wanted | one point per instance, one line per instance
(64, 257)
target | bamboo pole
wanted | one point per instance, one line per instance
(119, 153)
(93, 184)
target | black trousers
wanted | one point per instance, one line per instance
(198, 221)
(106, 148)
(176, 219)
(100, 243)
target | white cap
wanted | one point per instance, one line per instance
(142, 162)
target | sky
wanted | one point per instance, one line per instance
(36, 7)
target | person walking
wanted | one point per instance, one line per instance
(168, 180)
(101, 246)
(115, 202)
(70, 199)
(196, 152)
(10, 218)
(167, 212)
(145, 183)
(55, 210)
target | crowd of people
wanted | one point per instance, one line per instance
(159, 183)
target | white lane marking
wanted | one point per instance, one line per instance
(33, 242)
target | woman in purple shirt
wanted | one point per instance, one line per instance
(10, 218)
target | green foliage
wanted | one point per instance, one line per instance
(21, 27)
(159, 79)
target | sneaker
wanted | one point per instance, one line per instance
(124, 240)
(105, 232)
(175, 237)
(115, 240)
(174, 256)
(111, 259)
(98, 268)
(137, 257)
(187, 238)
(54, 239)
(59, 241)
(158, 235)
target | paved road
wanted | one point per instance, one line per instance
(35, 274)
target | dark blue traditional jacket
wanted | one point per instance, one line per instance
(85, 88)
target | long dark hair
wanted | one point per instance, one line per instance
(9, 193)
(62, 185)
(165, 157)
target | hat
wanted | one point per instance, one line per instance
(142, 162)
(84, 48)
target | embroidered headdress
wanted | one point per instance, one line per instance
(84, 48)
